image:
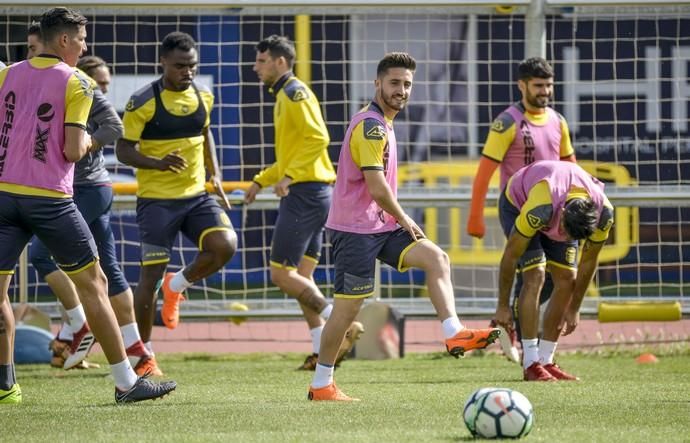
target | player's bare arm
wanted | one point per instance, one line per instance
(77, 143)
(383, 196)
(588, 265)
(211, 163)
(127, 153)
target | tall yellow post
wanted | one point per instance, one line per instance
(303, 48)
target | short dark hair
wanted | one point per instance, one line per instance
(534, 67)
(395, 60)
(580, 218)
(177, 40)
(90, 63)
(34, 29)
(59, 20)
(278, 46)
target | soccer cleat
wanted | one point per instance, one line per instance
(144, 389)
(558, 373)
(507, 342)
(11, 397)
(136, 353)
(81, 344)
(142, 361)
(351, 336)
(60, 350)
(148, 365)
(469, 339)
(170, 312)
(85, 364)
(328, 393)
(536, 372)
(309, 363)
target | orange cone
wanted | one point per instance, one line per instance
(646, 359)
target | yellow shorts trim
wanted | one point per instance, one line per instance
(355, 296)
(534, 266)
(208, 231)
(311, 259)
(155, 262)
(561, 265)
(83, 268)
(282, 266)
(7, 272)
(404, 252)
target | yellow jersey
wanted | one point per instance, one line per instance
(301, 136)
(162, 121)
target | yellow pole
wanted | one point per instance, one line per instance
(130, 188)
(303, 48)
(640, 311)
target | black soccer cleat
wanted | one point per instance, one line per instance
(144, 389)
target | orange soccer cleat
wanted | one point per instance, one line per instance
(328, 393)
(148, 365)
(469, 339)
(142, 361)
(171, 303)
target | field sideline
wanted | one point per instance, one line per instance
(260, 397)
(421, 335)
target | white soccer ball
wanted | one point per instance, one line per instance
(503, 413)
(469, 411)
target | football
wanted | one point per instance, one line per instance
(503, 413)
(469, 411)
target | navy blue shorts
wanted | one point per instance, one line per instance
(299, 229)
(94, 203)
(160, 220)
(355, 258)
(55, 221)
(541, 248)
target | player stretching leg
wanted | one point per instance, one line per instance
(366, 223)
(168, 139)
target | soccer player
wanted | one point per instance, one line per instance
(302, 177)
(525, 132)
(34, 46)
(97, 69)
(545, 209)
(366, 223)
(93, 196)
(43, 134)
(168, 139)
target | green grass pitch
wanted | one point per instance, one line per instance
(261, 398)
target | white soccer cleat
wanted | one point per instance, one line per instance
(80, 347)
(508, 345)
